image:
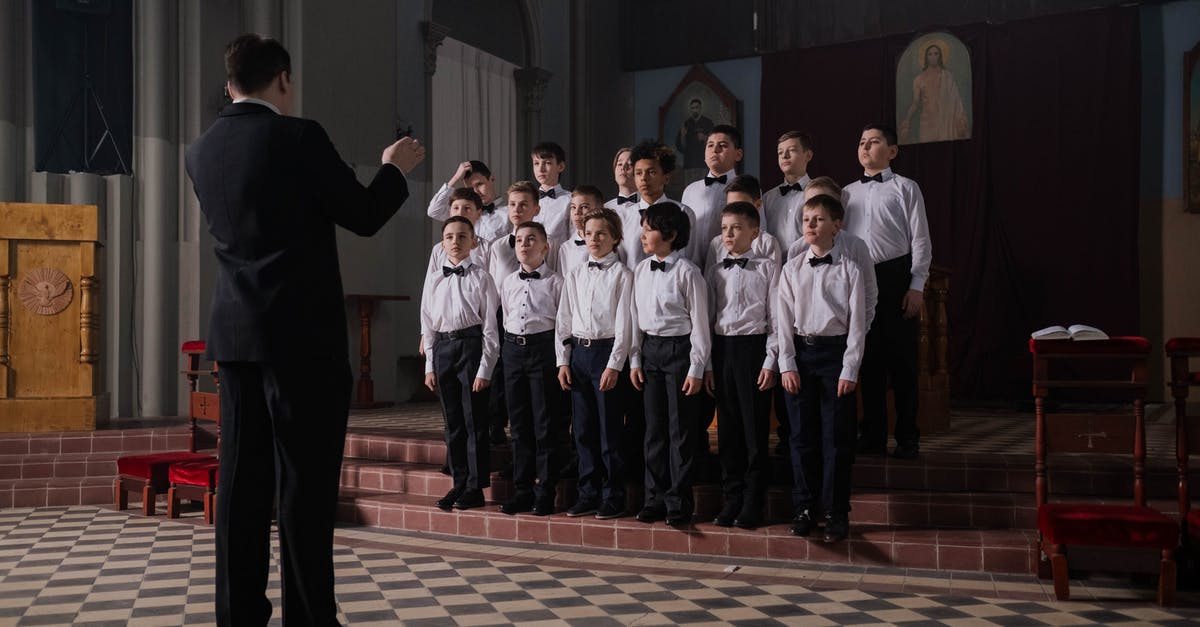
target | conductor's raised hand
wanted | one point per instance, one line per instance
(405, 154)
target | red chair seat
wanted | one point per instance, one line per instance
(153, 468)
(1129, 345)
(1183, 345)
(199, 473)
(1107, 525)
(193, 346)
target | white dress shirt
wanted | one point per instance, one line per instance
(614, 204)
(531, 305)
(502, 258)
(856, 249)
(454, 302)
(437, 256)
(574, 253)
(743, 300)
(822, 300)
(556, 214)
(706, 202)
(671, 302)
(890, 218)
(491, 224)
(765, 245)
(595, 305)
(783, 213)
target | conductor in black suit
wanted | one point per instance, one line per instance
(272, 188)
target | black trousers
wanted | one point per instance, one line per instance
(283, 430)
(634, 449)
(599, 425)
(822, 434)
(670, 443)
(535, 416)
(743, 417)
(890, 354)
(455, 364)
(497, 405)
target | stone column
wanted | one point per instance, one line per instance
(531, 90)
(156, 168)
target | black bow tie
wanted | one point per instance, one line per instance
(622, 200)
(816, 261)
(595, 264)
(459, 270)
(489, 208)
(785, 188)
(731, 262)
(579, 242)
(878, 178)
(709, 180)
(658, 265)
(512, 241)
(529, 275)
(547, 193)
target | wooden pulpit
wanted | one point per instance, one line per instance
(50, 267)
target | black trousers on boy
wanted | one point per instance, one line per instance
(534, 412)
(670, 443)
(599, 424)
(456, 358)
(890, 354)
(283, 429)
(743, 418)
(823, 426)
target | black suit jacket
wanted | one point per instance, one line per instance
(272, 188)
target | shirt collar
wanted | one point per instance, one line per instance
(728, 175)
(886, 173)
(259, 101)
(606, 260)
(670, 259)
(833, 253)
(803, 181)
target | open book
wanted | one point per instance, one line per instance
(1073, 332)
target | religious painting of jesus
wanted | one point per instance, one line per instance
(933, 90)
(699, 102)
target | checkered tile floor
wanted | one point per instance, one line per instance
(86, 565)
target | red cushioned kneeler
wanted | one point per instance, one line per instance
(196, 481)
(1093, 524)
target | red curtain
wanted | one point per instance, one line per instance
(1036, 215)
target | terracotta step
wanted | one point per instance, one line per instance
(56, 491)
(1005, 551)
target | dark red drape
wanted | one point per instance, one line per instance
(1035, 215)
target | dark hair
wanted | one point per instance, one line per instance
(545, 150)
(826, 182)
(610, 219)
(731, 131)
(523, 187)
(805, 140)
(667, 218)
(589, 190)
(458, 220)
(746, 184)
(252, 61)
(655, 151)
(695, 100)
(537, 226)
(466, 193)
(889, 133)
(478, 167)
(831, 205)
(743, 209)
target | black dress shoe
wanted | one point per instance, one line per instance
(610, 510)
(837, 527)
(446, 503)
(582, 508)
(907, 450)
(651, 514)
(678, 519)
(728, 514)
(517, 505)
(749, 518)
(543, 507)
(803, 524)
(470, 498)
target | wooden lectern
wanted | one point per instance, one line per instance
(50, 266)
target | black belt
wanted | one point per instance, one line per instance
(475, 331)
(820, 340)
(606, 342)
(522, 340)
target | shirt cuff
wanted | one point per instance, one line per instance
(849, 373)
(787, 364)
(917, 283)
(769, 364)
(635, 361)
(484, 373)
(696, 371)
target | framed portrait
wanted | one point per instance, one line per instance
(697, 104)
(933, 90)
(1191, 129)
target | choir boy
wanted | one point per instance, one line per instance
(783, 204)
(466, 203)
(493, 220)
(549, 161)
(745, 188)
(706, 197)
(653, 163)
(459, 335)
(623, 177)
(585, 199)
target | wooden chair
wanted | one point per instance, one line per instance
(1179, 351)
(1095, 524)
(197, 480)
(148, 474)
